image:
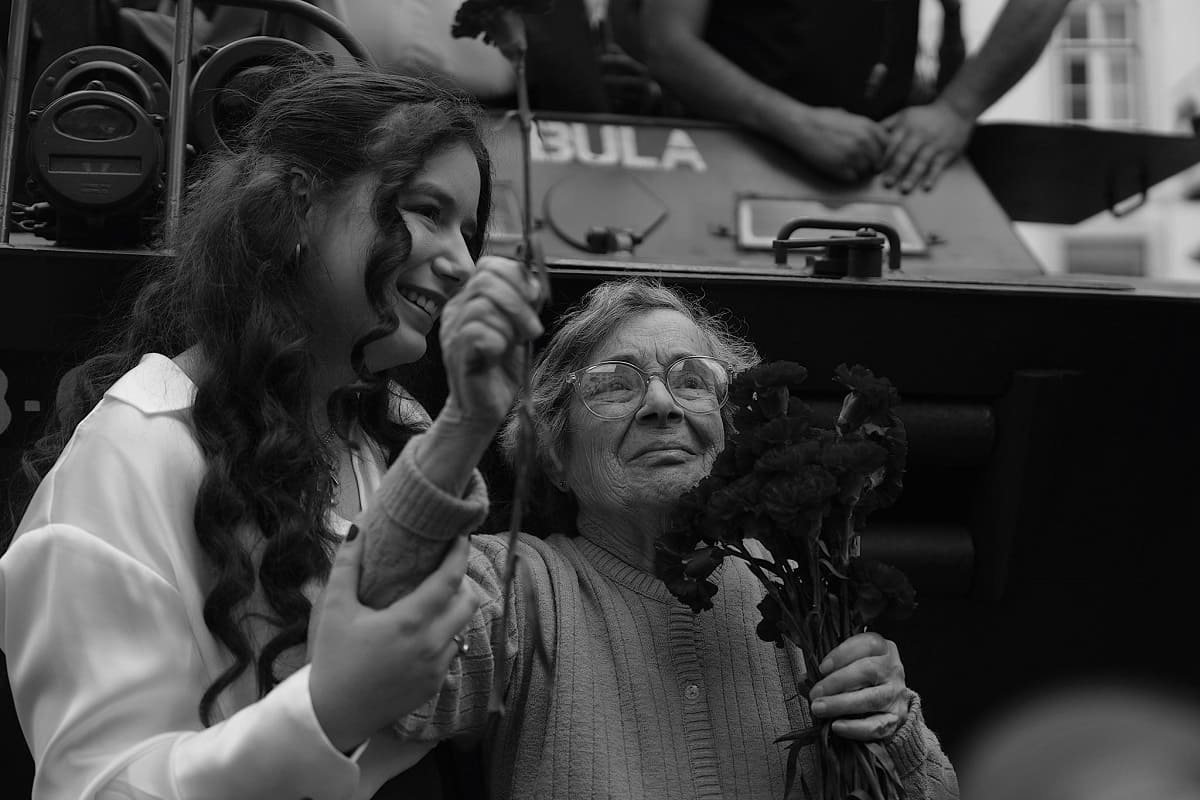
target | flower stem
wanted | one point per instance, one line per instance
(786, 608)
(844, 568)
(526, 444)
(525, 123)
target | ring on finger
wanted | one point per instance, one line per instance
(463, 646)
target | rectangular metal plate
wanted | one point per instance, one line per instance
(760, 218)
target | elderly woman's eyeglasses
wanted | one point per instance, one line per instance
(616, 389)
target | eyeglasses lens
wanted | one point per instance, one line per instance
(698, 384)
(613, 390)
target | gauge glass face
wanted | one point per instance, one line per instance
(95, 122)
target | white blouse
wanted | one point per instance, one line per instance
(101, 620)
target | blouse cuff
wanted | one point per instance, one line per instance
(908, 746)
(276, 744)
(411, 501)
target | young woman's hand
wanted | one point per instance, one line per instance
(369, 668)
(863, 689)
(483, 335)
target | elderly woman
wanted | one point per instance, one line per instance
(646, 699)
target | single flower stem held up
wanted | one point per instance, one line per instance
(526, 443)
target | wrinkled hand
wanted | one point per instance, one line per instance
(840, 144)
(483, 335)
(923, 140)
(371, 667)
(863, 689)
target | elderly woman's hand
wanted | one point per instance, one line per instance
(485, 327)
(863, 689)
(484, 330)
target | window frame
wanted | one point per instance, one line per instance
(1100, 55)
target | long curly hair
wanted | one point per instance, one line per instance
(234, 287)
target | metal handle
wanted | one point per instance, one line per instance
(1123, 208)
(782, 243)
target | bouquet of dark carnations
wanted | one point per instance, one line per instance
(804, 493)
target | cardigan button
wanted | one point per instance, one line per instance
(692, 691)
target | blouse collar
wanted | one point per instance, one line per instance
(156, 385)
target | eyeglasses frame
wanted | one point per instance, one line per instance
(572, 379)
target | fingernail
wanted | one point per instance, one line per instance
(826, 665)
(350, 534)
(818, 706)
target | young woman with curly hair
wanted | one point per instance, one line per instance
(181, 617)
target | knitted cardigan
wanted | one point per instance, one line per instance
(646, 699)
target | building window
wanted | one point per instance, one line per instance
(1099, 64)
(1106, 255)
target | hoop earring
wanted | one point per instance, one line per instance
(298, 256)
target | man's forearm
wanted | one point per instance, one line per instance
(1012, 47)
(714, 87)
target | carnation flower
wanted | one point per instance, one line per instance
(772, 402)
(734, 499)
(780, 431)
(785, 497)
(745, 454)
(728, 506)
(771, 374)
(702, 563)
(870, 398)
(765, 392)
(770, 628)
(725, 465)
(498, 21)
(802, 492)
(789, 458)
(885, 490)
(854, 456)
(696, 593)
(687, 519)
(671, 557)
(881, 591)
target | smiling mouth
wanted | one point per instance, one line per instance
(664, 450)
(427, 303)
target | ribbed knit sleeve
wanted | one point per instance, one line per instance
(461, 706)
(409, 524)
(920, 761)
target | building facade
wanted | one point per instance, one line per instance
(1122, 64)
